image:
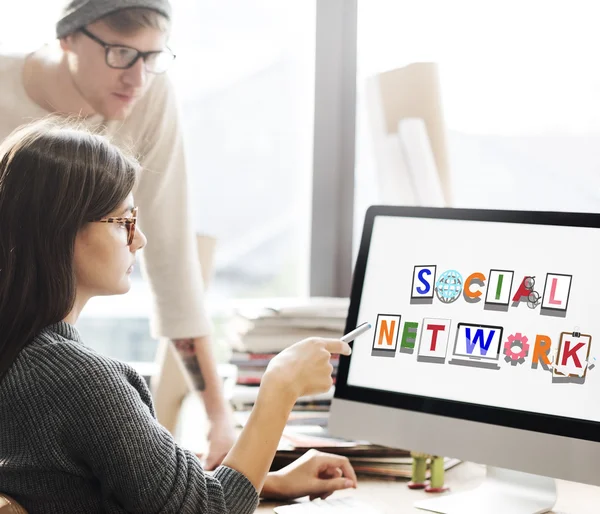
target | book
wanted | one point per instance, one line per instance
(243, 397)
(272, 327)
(393, 470)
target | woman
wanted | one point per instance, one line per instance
(77, 429)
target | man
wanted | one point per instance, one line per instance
(108, 67)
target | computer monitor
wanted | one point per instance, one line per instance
(486, 326)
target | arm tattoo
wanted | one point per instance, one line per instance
(187, 351)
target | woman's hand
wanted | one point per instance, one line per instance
(315, 474)
(302, 369)
(305, 367)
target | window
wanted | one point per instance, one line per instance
(520, 93)
(245, 78)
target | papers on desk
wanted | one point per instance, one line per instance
(306, 430)
(346, 505)
(366, 459)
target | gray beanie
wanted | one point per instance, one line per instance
(78, 13)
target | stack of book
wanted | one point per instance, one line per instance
(251, 366)
(243, 399)
(267, 329)
(257, 333)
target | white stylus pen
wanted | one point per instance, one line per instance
(351, 336)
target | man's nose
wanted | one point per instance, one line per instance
(136, 75)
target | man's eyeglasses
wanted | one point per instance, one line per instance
(124, 57)
(128, 222)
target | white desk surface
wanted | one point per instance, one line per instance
(393, 497)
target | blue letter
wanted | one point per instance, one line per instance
(427, 285)
(471, 343)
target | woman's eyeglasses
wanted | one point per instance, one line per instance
(129, 222)
(124, 57)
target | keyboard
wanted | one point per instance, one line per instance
(346, 505)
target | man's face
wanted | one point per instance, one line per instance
(110, 92)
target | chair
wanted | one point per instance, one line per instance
(10, 506)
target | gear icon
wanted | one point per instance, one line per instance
(516, 357)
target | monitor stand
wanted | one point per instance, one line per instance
(501, 492)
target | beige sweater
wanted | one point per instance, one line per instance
(153, 134)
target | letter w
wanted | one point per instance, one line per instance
(472, 342)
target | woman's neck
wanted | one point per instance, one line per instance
(73, 316)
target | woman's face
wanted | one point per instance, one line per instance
(103, 260)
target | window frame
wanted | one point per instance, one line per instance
(332, 226)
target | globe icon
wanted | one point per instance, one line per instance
(449, 286)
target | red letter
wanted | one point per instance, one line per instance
(435, 329)
(571, 352)
(522, 291)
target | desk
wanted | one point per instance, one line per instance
(393, 497)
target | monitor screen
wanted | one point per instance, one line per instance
(478, 309)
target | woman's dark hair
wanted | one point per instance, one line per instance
(54, 178)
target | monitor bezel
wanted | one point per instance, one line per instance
(543, 423)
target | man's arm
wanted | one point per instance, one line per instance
(171, 261)
(199, 361)
(186, 348)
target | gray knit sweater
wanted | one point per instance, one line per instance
(78, 435)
